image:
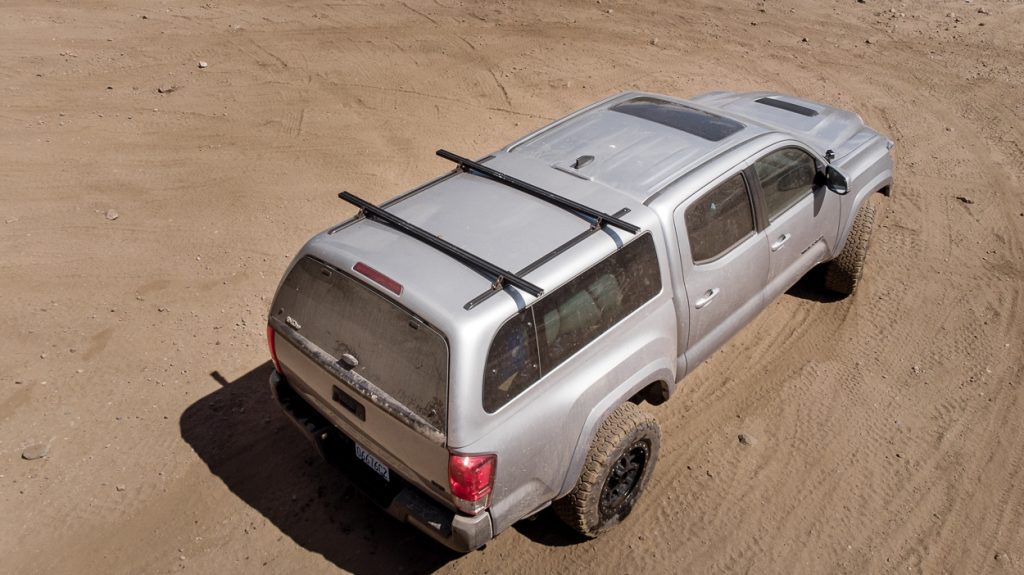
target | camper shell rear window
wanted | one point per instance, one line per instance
(395, 350)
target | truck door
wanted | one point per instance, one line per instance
(803, 218)
(724, 263)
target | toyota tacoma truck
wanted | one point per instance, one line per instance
(476, 349)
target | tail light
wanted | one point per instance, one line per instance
(379, 277)
(273, 348)
(471, 478)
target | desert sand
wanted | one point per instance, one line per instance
(148, 207)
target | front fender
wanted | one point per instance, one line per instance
(870, 170)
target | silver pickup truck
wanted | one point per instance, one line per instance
(476, 349)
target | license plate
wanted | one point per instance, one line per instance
(373, 462)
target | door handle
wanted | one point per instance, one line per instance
(781, 241)
(706, 298)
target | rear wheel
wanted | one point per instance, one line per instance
(619, 464)
(843, 274)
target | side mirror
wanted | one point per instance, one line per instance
(836, 181)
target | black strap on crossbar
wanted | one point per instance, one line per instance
(501, 277)
(601, 218)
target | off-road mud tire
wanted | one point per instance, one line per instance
(843, 274)
(604, 495)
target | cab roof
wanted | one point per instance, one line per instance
(635, 143)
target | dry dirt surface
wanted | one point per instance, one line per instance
(148, 207)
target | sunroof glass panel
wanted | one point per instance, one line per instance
(690, 120)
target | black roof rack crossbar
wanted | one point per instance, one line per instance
(601, 218)
(501, 277)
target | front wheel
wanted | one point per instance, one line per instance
(619, 464)
(843, 274)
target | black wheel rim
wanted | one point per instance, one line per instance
(620, 488)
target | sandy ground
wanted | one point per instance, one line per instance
(887, 429)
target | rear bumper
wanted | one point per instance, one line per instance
(399, 498)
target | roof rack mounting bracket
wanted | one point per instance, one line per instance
(501, 277)
(585, 212)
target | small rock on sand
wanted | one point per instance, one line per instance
(37, 451)
(112, 215)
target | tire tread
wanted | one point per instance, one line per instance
(844, 273)
(578, 508)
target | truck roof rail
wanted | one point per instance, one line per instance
(601, 219)
(501, 277)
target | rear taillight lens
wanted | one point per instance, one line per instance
(273, 348)
(471, 478)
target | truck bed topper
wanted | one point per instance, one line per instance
(501, 278)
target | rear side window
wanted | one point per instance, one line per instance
(540, 338)
(512, 363)
(719, 220)
(786, 176)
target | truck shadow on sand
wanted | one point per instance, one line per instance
(245, 439)
(811, 287)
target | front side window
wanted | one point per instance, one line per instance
(540, 338)
(719, 220)
(786, 176)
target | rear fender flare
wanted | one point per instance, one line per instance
(657, 373)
